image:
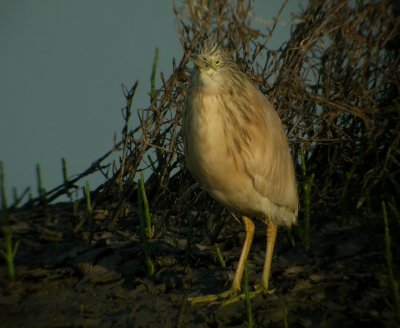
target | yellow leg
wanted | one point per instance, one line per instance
(271, 236)
(232, 294)
(249, 228)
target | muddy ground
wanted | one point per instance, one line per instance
(64, 279)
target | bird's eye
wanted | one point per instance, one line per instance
(217, 62)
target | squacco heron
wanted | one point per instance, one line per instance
(236, 148)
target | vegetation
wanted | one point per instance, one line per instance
(10, 249)
(146, 227)
(335, 84)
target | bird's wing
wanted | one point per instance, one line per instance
(267, 157)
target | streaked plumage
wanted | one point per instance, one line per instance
(235, 143)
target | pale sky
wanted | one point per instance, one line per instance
(62, 64)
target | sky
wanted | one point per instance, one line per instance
(62, 65)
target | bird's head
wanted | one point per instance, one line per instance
(213, 65)
(210, 57)
(207, 62)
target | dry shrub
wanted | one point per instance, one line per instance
(335, 84)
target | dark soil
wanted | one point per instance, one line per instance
(67, 278)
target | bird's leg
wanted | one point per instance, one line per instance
(271, 236)
(232, 293)
(249, 228)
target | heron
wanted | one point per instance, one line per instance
(237, 149)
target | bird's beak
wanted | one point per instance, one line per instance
(200, 61)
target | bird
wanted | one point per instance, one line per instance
(236, 148)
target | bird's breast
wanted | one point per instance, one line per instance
(211, 152)
(205, 140)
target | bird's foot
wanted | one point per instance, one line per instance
(262, 289)
(229, 297)
(212, 298)
(259, 290)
